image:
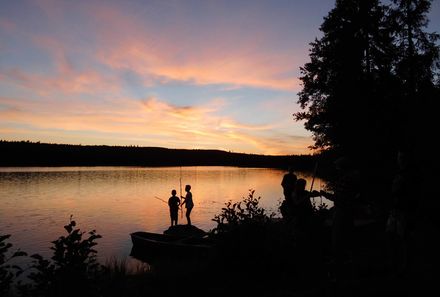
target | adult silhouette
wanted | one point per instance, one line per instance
(405, 190)
(303, 208)
(288, 183)
(345, 197)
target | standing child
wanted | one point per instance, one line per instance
(188, 201)
(173, 203)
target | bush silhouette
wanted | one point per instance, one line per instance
(73, 271)
(8, 271)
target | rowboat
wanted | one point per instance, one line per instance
(149, 246)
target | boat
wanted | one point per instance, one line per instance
(149, 246)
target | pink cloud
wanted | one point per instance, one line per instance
(64, 77)
(7, 25)
(176, 53)
(52, 9)
(57, 51)
(67, 82)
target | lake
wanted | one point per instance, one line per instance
(36, 202)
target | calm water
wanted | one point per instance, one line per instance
(36, 202)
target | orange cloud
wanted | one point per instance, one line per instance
(150, 122)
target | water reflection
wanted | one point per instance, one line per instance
(36, 202)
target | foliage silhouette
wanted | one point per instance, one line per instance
(417, 68)
(8, 272)
(73, 269)
(370, 87)
(337, 74)
(367, 74)
(242, 231)
(245, 212)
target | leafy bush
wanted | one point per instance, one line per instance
(74, 269)
(245, 212)
(248, 238)
(321, 211)
(8, 271)
(253, 243)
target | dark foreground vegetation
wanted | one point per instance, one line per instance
(25, 153)
(256, 255)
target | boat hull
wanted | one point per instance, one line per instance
(153, 247)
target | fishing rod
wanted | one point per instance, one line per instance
(160, 199)
(180, 181)
(313, 180)
(314, 175)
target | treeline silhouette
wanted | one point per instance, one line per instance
(26, 153)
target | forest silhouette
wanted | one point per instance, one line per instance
(26, 153)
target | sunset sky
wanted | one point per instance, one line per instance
(177, 74)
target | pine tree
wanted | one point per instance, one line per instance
(417, 69)
(345, 77)
(372, 80)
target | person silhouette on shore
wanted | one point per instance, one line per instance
(404, 191)
(173, 203)
(287, 207)
(302, 204)
(347, 191)
(302, 229)
(288, 183)
(189, 204)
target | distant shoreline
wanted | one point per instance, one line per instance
(26, 153)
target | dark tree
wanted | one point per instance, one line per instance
(417, 68)
(370, 76)
(338, 82)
